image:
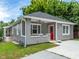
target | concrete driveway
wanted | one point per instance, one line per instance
(68, 49)
(44, 55)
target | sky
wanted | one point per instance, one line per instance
(10, 9)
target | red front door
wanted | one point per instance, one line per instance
(52, 32)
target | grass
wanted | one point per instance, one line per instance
(9, 50)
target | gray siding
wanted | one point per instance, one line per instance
(64, 37)
(38, 39)
(59, 31)
(30, 39)
(22, 40)
(44, 28)
(28, 31)
(18, 38)
(45, 37)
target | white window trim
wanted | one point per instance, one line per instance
(21, 29)
(37, 28)
(68, 29)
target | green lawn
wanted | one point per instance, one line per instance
(9, 50)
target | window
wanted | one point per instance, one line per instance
(23, 28)
(66, 29)
(35, 29)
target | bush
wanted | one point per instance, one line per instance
(1, 39)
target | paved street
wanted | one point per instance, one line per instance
(44, 55)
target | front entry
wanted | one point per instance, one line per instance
(51, 30)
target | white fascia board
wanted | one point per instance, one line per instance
(49, 20)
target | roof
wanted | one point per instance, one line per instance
(47, 16)
(17, 21)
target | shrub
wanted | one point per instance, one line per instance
(1, 35)
(1, 39)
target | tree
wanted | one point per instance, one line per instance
(60, 8)
(2, 24)
(12, 21)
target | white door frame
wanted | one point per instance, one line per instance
(49, 29)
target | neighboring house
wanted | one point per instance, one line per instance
(76, 31)
(39, 27)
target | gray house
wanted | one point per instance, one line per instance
(39, 27)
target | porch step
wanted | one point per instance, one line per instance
(56, 42)
(15, 42)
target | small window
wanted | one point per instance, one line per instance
(23, 28)
(35, 29)
(66, 29)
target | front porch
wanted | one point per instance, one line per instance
(28, 32)
(45, 33)
(38, 31)
(8, 33)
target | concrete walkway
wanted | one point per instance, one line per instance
(44, 55)
(68, 48)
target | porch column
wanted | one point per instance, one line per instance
(56, 32)
(4, 32)
(12, 31)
